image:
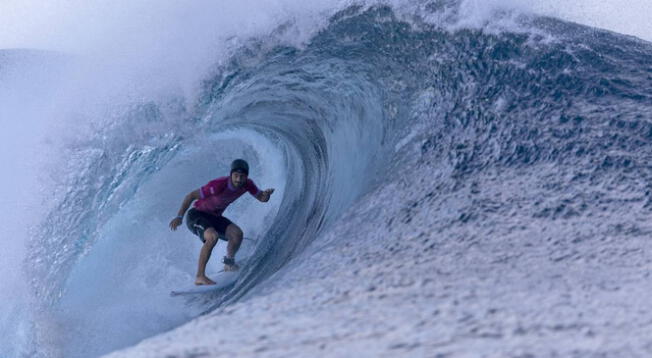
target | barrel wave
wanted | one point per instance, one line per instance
(421, 143)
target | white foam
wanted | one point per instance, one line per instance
(631, 19)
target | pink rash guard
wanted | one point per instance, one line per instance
(219, 193)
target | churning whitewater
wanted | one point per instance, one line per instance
(442, 191)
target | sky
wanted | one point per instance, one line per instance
(631, 17)
(70, 25)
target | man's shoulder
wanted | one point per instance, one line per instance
(220, 180)
(251, 187)
(217, 182)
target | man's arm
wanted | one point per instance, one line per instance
(264, 195)
(192, 196)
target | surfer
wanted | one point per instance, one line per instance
(205, 218)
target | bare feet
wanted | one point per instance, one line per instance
(203, 280)
(233, 267)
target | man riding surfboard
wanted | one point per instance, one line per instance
(205, 218)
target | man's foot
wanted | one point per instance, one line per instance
(233, 267)
(203, 280)
(229, 264)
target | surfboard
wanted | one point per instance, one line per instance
(222, 279)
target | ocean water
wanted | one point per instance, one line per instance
(332, 104)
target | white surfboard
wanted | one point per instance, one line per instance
(222, 279)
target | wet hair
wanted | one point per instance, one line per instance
(240, 166)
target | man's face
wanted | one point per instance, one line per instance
(238, 179)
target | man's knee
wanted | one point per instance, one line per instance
(234, 232)
(210, 236)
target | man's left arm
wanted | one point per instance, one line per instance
(264, 195)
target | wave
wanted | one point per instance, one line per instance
(323, 123)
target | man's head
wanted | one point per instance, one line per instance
(239, 172)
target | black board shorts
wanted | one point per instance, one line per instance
(198, 221)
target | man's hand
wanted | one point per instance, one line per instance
(193, 195)
(265, 194)
(175, 223)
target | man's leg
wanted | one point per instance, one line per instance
(234, 235)
(210, 240)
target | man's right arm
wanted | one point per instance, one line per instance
(192, 196)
